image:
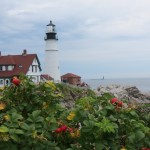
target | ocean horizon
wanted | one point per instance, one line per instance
(143, 84)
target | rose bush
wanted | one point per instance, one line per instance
(32, 117)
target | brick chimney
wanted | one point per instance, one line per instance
(24, 52)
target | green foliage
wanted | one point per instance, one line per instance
(31, 117)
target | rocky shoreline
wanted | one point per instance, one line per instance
(131, 93)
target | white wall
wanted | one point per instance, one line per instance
(51, 45)
(51, 65)
(34, 74)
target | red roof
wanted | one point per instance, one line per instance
(70, 75)
(7, 60)
(21, 64)
(46, 76)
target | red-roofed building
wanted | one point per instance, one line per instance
(14, 65)
(71, 79)
(46, 77)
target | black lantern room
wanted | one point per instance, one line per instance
(51, 32)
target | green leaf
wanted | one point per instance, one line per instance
(112, 118)
(12, 131)
(39, 119)
(4, 129)
(89, 123)
(139, 135)
(36, 113)
(53, 126)
(18, 131)
(106, 96)
(57, 148)
(99, 145)
(25, 126)
(88, 126)
(15, 117)
(15, 138)
(131, 138)
(109, 107)
(106, 126)
(134, 114)
(34, 117)
(51, 119)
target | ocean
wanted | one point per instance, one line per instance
(143, 84)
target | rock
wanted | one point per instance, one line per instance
(131, 93)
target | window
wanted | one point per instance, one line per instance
(10, 68)
(1, 81)
(1, 68)
(7, 81)
(34, 68)
(6, 68)
(20, 66)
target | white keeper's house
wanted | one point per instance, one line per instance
(14, 65)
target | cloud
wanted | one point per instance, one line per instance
(92, 33)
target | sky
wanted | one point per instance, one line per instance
(97, 38)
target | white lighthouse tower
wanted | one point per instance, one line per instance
(51, 67)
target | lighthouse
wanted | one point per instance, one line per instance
(51, 66)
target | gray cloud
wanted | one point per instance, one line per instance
(96, 33)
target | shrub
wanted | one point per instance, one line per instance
(31, 117)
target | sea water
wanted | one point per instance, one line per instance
(143, 84)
